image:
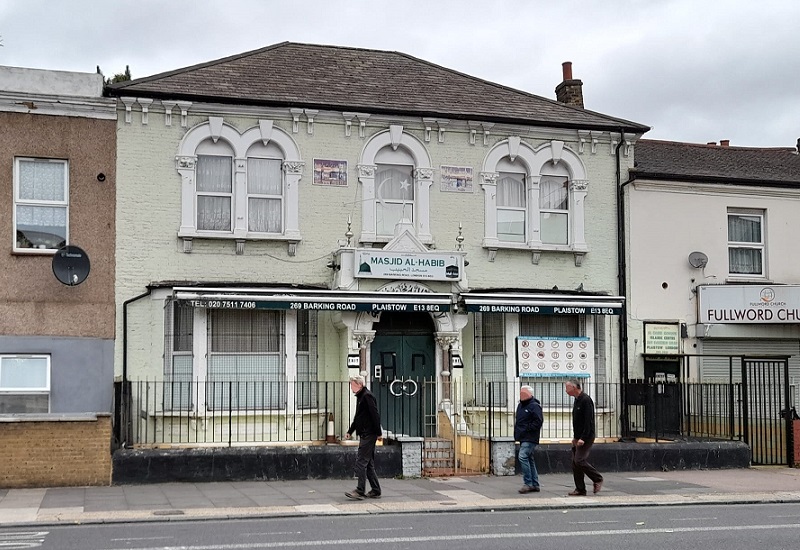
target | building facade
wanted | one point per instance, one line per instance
(58, 177)
(288, 219)
(713, 269)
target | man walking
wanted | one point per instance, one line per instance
(583, 429)
(367, 425)
(527, 427)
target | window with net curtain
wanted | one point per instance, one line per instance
(490, 376)
(41, 203)
(746, 243)
(215, 194)
(394, 197)
(511, 207)
(554, 209)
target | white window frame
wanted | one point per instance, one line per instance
(762, 245)
(292, 170)
(18, 201)
(533, 162)
(25, 389)
(200, 354)
(395, 138)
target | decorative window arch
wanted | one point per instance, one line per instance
(382, 151)
(534, 199)
(257, 200)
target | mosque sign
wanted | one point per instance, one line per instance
(378, 264)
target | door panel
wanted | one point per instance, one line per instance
(400, 366)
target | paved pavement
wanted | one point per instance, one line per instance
(253, 499)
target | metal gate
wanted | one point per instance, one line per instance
(766, 400)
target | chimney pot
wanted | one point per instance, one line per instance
(724, 142)
(566, 68)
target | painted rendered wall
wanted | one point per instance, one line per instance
(148, 216)
(669, 221)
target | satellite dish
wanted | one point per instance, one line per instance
(71, 265)
(698, 259)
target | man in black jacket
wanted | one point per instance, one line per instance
(526, 430)
(367, 425)
(582, 439)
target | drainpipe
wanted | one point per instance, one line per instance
(622, 288)
(125, 332)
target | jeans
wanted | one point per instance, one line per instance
(530, 476)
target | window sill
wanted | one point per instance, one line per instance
(290, 239)
(536, 250)
(748, 279)
(34, 251)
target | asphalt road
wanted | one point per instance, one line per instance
(729, 527)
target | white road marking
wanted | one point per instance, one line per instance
(483, 536)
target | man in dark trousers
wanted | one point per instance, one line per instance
(367, 425)
(582, 439)
(526, 430)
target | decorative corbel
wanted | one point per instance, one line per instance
(187, 245)
(492, 254)
(579, 258)
(348, 123)
(486, 127)
(614, 141)
(473, 130)
(128, 102)
(184, 107)
(362, 124)
(168, 106)
(442, 124)
(296, 119)
(595, 138)
(240, 247)
(583, 137)
(291, 249)
(145, 103)
(428, 122)
(310, 114)
(536, 255)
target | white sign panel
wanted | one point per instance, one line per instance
(750, 304)
(408, 265)
(540, 356)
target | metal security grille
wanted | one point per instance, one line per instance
(765, 395)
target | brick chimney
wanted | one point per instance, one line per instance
(724, 143)
(570, 91)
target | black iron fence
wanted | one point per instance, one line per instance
(159, 412)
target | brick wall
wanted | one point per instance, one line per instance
(55, 450)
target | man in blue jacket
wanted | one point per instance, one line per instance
(526, 431)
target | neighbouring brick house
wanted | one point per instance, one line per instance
(297, 214)
(57, 179)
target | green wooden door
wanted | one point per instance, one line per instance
(403, 371)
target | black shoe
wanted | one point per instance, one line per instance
(373, 494)
(356, 494)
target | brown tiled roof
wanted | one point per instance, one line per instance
(352, 79)
(669, 160)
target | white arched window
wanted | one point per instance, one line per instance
(239, 186)
(534, 199)
(396, 175)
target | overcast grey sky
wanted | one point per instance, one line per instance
(693, 70)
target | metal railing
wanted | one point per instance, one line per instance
(171, 413)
